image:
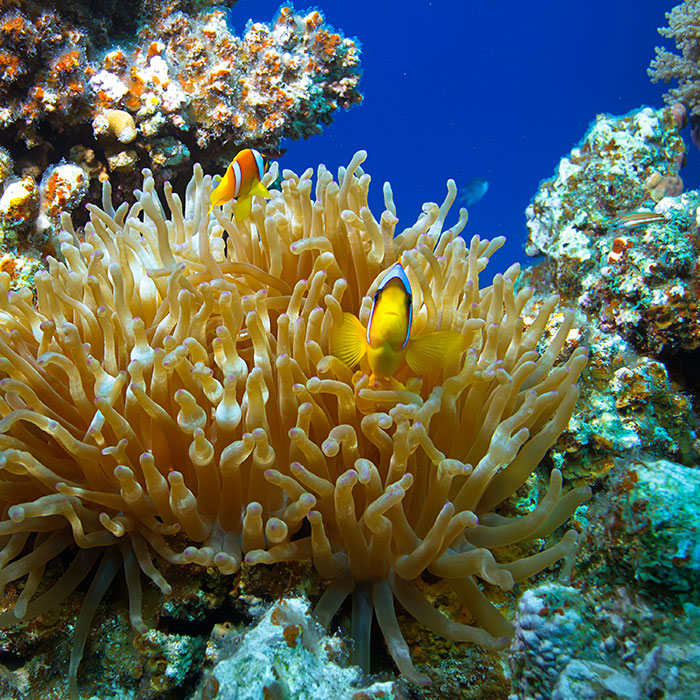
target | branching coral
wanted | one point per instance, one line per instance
(174, 377)
(684, 29)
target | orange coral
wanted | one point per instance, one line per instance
(115, 61)
(68, 62)
(8, 264)
(9, 66)
(326, 42)
(14, 26)
(58, 191)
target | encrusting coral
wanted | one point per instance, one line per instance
(174, 376)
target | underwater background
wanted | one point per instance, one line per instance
(499, 91)
(227, 472)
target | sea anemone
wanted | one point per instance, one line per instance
(173, 376)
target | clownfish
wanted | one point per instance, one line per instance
(241, 181)
(387, 340)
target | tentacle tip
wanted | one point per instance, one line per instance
(502, 643)
(16, 514)
(505, 581)
(421, 679)
(257, 556)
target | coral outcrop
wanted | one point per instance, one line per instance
(629, 263)
(652, 534)
(285, 654)
(621, 243)
(600, 645)
(171, 397)
(182, 73)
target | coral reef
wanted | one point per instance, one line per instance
(644, 282)
(183, 73)
(30, 213)
(62, 188)
(170, 397)
(627, 403)
(170, 658)
(620, 241)
(629, 263)
(603, 177)
(651, 533)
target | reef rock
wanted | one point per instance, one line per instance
(657, 519)
(285, 655)
(598, 643)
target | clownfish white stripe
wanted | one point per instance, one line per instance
(237, 178)
(260, 162)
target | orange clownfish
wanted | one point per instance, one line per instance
(242, 180)
(387, 340)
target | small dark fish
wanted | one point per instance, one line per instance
(473, 191)
(634, 219)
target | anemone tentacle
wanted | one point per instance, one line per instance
(175, 377)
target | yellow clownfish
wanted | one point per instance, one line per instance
(242, 181)
(387, 339)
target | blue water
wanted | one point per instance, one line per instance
(478, 89)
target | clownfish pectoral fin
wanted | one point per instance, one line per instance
(348, 342)
(432, 351)
(243, 206)
(259, 189)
